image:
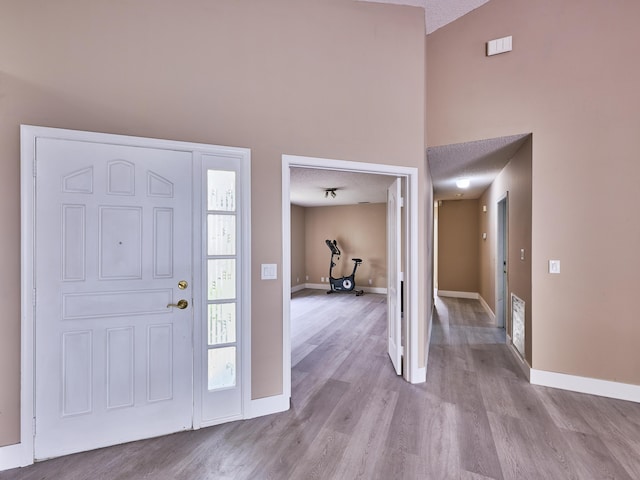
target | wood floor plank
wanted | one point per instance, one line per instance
(513, 398)
(323, 361)
(323, 456)
(626, 451)
(370, 366)
(353, 404)
(351, 416)
(530, 451)
(404, 430)
(478, 453)
(302, 351)
(369, 437)
(594, 459)
(303, 387)
(566, 409)
(440, 446)
(488, 362)
(304, 427)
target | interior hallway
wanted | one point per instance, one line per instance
(351, 417)
(507, 428)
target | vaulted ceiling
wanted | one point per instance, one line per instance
(438, 13)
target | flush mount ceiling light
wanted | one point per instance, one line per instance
(330, 191)
(463, 183)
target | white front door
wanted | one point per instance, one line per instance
(113, 251)
(394, 301)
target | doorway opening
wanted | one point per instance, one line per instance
(412, 371)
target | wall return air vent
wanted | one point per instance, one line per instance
(499, 45)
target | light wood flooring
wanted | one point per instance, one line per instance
(351, 417)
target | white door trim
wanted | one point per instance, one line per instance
(22, 453)
(413, 373)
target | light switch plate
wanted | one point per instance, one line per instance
(554, 266)
(269, 271)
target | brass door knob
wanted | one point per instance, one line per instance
(182, 304)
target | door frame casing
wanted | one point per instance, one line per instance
(22, 453)
(413, 372)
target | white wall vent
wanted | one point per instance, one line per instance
(499, 45)
(517, 319)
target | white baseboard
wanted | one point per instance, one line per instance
(219, 421)
(325, 286)
(592, 386)
(317, 286)
(380, 290)
(297, 288)
(487, 309)
(268, 405)
(452, 294)
(14, 456)
(419, 375)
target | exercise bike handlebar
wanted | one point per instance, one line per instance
(333, 246)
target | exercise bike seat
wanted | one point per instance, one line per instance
(357, 260)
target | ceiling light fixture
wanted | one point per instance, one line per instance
(330, 191)
(463, 183)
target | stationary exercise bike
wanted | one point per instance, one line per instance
(343, 284)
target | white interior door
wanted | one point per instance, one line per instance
(501, 266)
(113, 249)
(394, 276)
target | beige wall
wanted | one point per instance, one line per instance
(579, 96)
(326, 78)
(361, 232)
(514, 181)
(298, 245)
(458, 246)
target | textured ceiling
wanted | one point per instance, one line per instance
(438, 13)
(308, 186)
(479, 161)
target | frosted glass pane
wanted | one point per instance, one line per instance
(221, 235)
(222, 323)
(221, 190)
(221, 279)
(222, 368)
